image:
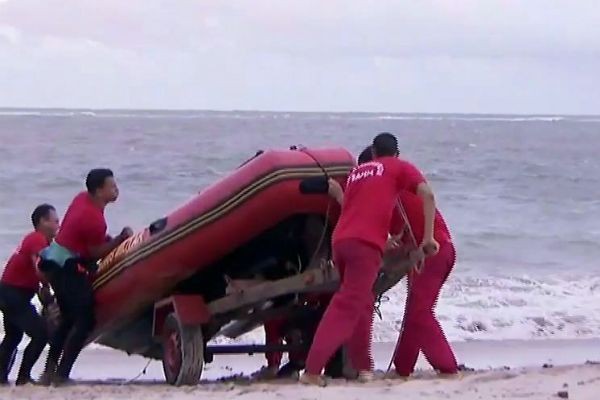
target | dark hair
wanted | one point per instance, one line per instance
(366, 155)
(40, 212)
(96, 178)
(385, 145)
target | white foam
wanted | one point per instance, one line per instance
(497, 308)
(500, 308)
(493, 308)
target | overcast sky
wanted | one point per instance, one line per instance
(528, 56)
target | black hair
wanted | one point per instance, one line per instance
(385, 145)
(366, 155)
(42, 211)
(96, 178)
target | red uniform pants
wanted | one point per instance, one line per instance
(274, 336)
(348, 319)
(420, 330)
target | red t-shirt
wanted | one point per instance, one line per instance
(20, 271)
(371, 193)
(83, 226)
(413, 205)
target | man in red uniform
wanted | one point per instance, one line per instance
(361, 234)
(70, 261)
(18, 285)
(421, 331)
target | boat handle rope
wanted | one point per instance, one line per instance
(329, 201)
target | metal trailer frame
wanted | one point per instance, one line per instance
(183, 324)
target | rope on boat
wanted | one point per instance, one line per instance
(327, 212)
(419, 266)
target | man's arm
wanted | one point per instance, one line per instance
(426, 194)
(336, 191)
(44, 294)
(35, 259)
(411, 179)
(33, 246)
(397, 229)
(34, 250)
(102, 250)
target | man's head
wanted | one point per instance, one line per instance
(45, 220)
(366, 155)
(101, 185)
(385, 145)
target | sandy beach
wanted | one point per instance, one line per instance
(503, 370)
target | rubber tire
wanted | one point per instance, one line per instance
(191, 352)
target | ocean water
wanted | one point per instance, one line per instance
(521, 195)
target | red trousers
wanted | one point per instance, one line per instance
(274, 335)
(420, 330)
(348, 319)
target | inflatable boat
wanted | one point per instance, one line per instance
(241, 251)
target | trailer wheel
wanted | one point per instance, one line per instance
(183, 352)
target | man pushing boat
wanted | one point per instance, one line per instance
(359, 239)
(69, 264)
(18, 285)
(421, 331)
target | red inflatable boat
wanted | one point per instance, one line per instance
(247, 249)
(254, 221)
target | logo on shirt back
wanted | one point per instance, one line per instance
(366, 170)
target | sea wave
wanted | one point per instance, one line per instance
(498, 308)
(494, 308)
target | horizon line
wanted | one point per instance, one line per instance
(103, 109)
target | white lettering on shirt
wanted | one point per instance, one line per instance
(366, 170)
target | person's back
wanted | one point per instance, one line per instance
(20, 271)
(370, 197)
(413, 208)
(83, 226)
